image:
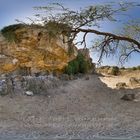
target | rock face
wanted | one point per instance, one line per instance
(28, 85)
(34, 50)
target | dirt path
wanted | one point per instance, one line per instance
(78, 109)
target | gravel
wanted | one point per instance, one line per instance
(78, 109)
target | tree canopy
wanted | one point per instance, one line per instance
(61, 20)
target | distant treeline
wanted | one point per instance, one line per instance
(121, 68)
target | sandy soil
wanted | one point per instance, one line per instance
(125, 76)
(77, 109)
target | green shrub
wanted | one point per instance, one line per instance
(134, 68)
(73, 67)
(123, 68)
(9, 32)
(54, 28)
(78, 65)
(138, 67)
(84, 65)
(115, 70)
(69, 70)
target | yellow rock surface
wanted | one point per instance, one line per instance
(36, 50)
(8, 67)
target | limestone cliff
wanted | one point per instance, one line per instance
(32, 48)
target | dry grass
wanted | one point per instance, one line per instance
(124, 76)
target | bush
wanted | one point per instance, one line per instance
(83, 67)
(123, 68)
(83, 64)
(9, 32)
(54, 28)
(134, 68)
(69, 70)
(138, 67)
(115, 70)
(78, 65)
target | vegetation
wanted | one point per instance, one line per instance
(9, 32)
(115, 70)
(122, 68)
(87, 21)
(135, 68)
(138, 67)
(78, 65)
(70, 49)
(54, 28)
(84, 21)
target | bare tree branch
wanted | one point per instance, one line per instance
(114, 37)
(70, 23)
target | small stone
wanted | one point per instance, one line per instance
(64, 77)
(71, 77)
(29, 93)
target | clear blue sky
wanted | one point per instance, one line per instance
(20, 9)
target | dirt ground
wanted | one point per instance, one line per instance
(125, 76)
(78, 109)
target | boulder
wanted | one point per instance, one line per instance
(121, 85)
(134, 81)
(137, 97)
(128, 97)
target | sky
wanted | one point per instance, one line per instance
(20, 9)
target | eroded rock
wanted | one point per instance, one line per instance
(121, 85)
(33, 50)
(22, 84)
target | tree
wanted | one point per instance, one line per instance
(131, 30)
(69, 22)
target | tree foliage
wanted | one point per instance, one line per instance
(78, 65)
(131, 30)
(9, 32)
